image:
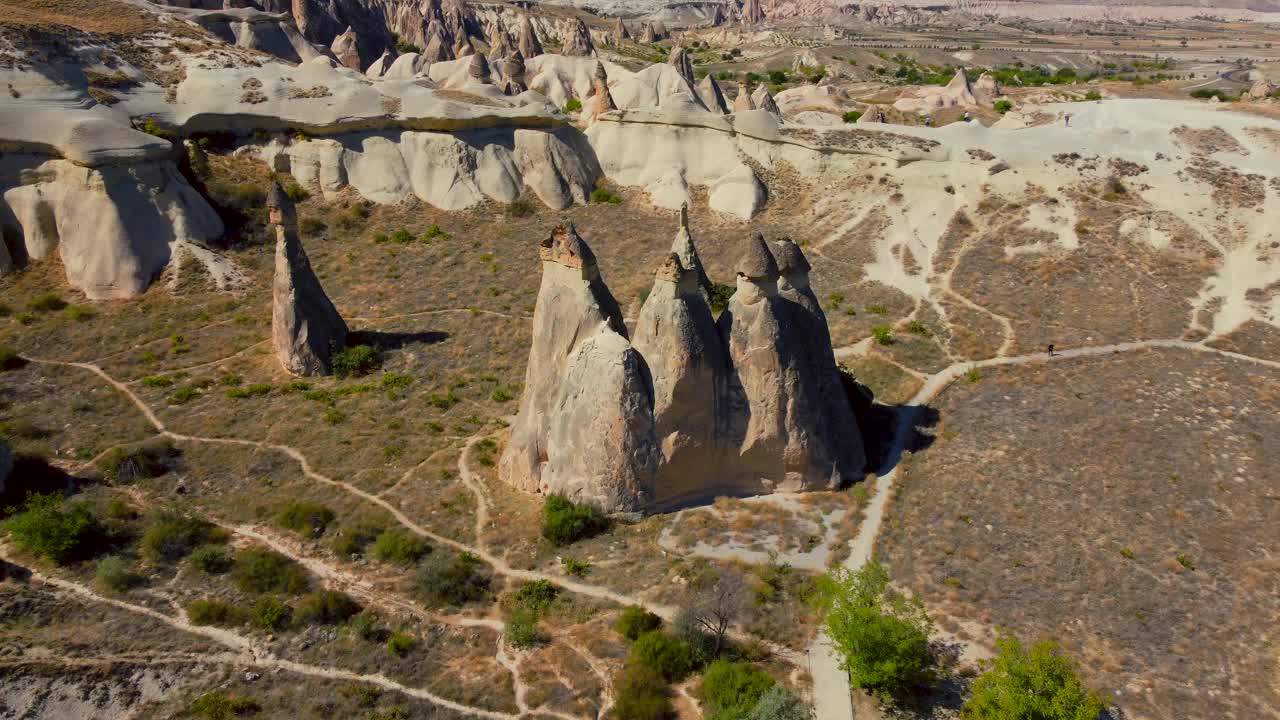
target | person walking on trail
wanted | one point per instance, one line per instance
(1050, 349)
(1067, 117)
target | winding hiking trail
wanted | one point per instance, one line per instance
(831, 690)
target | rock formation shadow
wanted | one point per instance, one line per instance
(887, 430)
(32, 475)
(384, 341)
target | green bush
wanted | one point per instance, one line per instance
(668, 656)
(326, 607)
(114, 574)
(702, 644)
(564, 522)
(572, 105)
(10, 359)
(535, 596)
(520, 208)
(220, 706)
(259, 570)
(1206, 93)
(575, 567)
(140, 462)
(732, 689)
(400, 644)
(211, 611)
(306, 518)
(296, 192)
(636, 621)
(1035, 684)
(883, 334)
(270, 613)
(355, 361)
(49, 302)
(81, 313)
(522, 629)
(779, 704)
(55, 531)
(601, 195)
(434, 232)
(455, 581)
(400, 546)
(402, 236)
(182, 396)
(172, 534)
(851, 116)
(353, 539)
(210, 559)
(1093, 95)
(720, 296)
(250, 391)
(640, 694)
(881, 635)
(1003, 106)
(365, 626)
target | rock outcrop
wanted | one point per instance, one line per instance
(769, 105)
(688, 409)
(752, 12)
(438, 48)
(1262, 89)
(660, 30)
(305, 326)
(513, 74)
(478, 70)
(987, 89)
(346, 49)
(679, 59)
(743, 102)
(602, 99)
(957, 93)
(529, 45)
(647, 35)
(577, 43)
(712, 96)
(620, 32)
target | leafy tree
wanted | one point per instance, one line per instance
(779, 704)
(1036, 684)
(173, 534)
(640, 694)
(47, 528)
(1003, 106)
(636, 621)
(259, 570)
(305, 517)
(521, 628)
(400, 547)
(881, 635)
(454, 581)
(668, 656)
(732, 689)
(328, 607)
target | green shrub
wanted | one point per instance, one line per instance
(353, 539)
(572, 105)
(402, 236)
(259, 570)
(575, 567)
(640, 694)
(536, 596)
(1002, 106)
(520, 208)
(851, 116)
(732, 689)
(326, 607)
(720, 296)
(172, 534)
(250, 391)
(668, 656)
(601, 195)
(881, 636)
(1093, 95)
(355, 361)
(220, 706)
(114, 574)
(1035, 684)
(883, 334)
(48, 302)
(270, 613)
(522, 629)
(915, 327)
(501, 395)
(400, 644)
(702, 644)
(210, 559)
(307, 518)
(50, 529)
(182, 396)
(10, 359)
(445, 581)
(296, 192)
(157, 381)
(365, 626)
(400, 546)
(1207, 93)
(434, 232)
(779, 704)
(81, 313)
(211, 611)
(636, 621)
(564, 522)
(140, 462)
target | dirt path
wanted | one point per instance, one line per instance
(830, 684)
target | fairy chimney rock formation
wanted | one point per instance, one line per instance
(689, 408)
(600, 90)
(620, 31)
(647, 35)
(530, 46)
(513, 72)
(578, 41)
(712, 96)
(685, 249)
(346, 49)
(743, 101)
(987, 89)
(679, 59)
(305, 326)
(768, 104)
(660, 30)
(587, 393)
(438, 48)
(752, 12)
(478, 70)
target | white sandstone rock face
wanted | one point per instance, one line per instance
(738, 193)
(305, 326)
(688, 410)
(712, 96)
(957, 93)
(573, 303)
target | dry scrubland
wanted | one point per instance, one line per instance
(1124, 506)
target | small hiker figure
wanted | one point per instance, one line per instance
(928, 121)
(1067, 117)
(967, 117)
(1050, 349)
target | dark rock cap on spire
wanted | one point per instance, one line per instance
(791, 259)
(566, 247)
(758, 263)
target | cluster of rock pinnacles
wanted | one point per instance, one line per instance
(686, 409)
(689, 407)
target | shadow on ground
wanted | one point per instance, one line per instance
(393, 340)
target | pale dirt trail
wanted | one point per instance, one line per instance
(830, 684)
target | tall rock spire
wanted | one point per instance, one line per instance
(769, 105)
(679, 59)
(305, 326)
(743, 102)
(712, 96)
(620, 31)
(578, 41)
(685, 249)
(752, 12)
(530, 46)
(600, 91)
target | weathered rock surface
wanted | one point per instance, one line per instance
(687, 410)
(712, 96)
(305, 326)
(346, 50)
(530, 45)
(577, 42)
(752, 12)
(957, 93)
(743, 102)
